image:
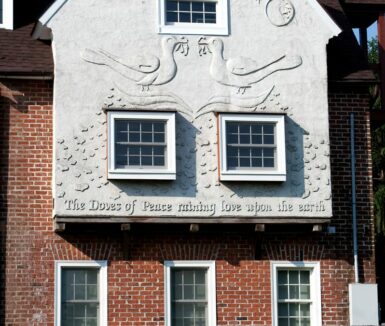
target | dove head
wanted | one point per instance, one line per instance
(171, 44)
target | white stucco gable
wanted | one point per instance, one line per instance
(114, 67)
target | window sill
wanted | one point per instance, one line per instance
(193, 29)
(148, 175)
(230, 176)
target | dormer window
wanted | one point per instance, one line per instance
(6, 14)
(208, 17)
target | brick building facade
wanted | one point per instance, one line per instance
(136, 255)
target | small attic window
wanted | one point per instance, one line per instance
(6, 14)
(195, 17)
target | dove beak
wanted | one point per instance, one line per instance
(203, 41)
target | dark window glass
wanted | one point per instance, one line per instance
(199, 12)
(189, 296)
(80, 297)
(138, 143)
(250, 145)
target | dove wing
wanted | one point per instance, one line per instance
(245, 66)
(143, 63)
(242, 66)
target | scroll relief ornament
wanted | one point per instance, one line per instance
(145, 70)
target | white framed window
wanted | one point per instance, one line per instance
(207, 17)
(296, 297)
(190, 293)
(81, 293)
(6, 14)
(252, 147)
(141, 145)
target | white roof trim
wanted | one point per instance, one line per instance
(41, 30)
(335, 29)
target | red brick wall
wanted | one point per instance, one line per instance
(135, 271)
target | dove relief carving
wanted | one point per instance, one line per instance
(242, 73)
(144, 70)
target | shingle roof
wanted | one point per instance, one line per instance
(20, 54)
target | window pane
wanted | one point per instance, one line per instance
(172, 5)
(232, 139)
(283, 309)
(294, 277)
(134, 137)
(268, 163)
(184, 5)
(210, 19)
(268, 129)
(210, 7)
(147, 160)
(158, 161)
(305, 277)
(80, 292)
(172, 17)
(184, 17)
(305, 292)
(282, 277)
(200, 292)
(197, 18)
(92, 292)
(294, 309)
(256, 162)
(197, 6)
(268, 139)
(200, 277)
(147, 137)
(282, 292)
(283, 322)
(256, 139)
(305, 310)
(293, 292)
(133, 126)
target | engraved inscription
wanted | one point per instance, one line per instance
(194, 208)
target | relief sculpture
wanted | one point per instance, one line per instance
(145, 70)
(242, 72)
(280, 12)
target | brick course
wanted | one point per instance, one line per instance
(29, 247)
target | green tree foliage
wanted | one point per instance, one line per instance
(378, 148)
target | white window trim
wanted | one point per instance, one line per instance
(275, 174)
(315, 288)
(99, 264)
(7, 14)
(211, 287)
(168, 173)
(220, 28)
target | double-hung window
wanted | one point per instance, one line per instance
(193, 17)
(252, 147)
(141, 145)
(296, 294)
(81, 293)
(190, 293)
(6, 14)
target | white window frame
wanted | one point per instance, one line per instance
(277, 173)
(7, 14)
(211, 287)
(220, 28)
(315, 288)
(101, 265)
(167, 173)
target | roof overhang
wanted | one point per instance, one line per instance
(41, 30)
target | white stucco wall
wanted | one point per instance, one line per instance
(128, 29)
